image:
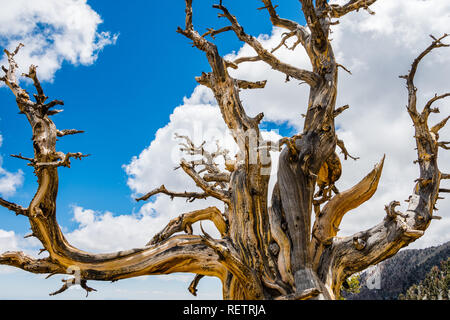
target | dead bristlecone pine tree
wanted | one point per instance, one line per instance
(268, 248)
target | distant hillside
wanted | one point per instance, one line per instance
(435, 286)
(400, 272)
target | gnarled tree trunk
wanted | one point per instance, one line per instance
(267, 249)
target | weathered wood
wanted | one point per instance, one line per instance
(267, 249)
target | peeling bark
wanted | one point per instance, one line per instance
(267, 249)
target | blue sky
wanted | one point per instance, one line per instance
(122, 95)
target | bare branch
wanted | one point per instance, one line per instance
(344, 68)
(280, 22)
(201, 183)
(445, 176)
(212, 33)
(67, 283)
(27, 263)
(19, 210)
(337, 11)
(341, 145)
(40, 97)
(444, 145)
(285, 37)
(67, 132)
(191, 196)
(339, 110)
(412, 99)
(243, 84)
(352, 254)
(19, 156)
(435, 129)
(328, 221)
(10, 78)
(53, 104)
(392, 212)
(207, 161)
(193, 286)
(217, 177)
(247, 59)
(63, 162)
(427, 109)
(309, 77)
(319, 38)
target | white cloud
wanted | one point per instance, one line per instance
(53, 31)
(8, 241)
(155, 165)
(377, 49)
(280, 101)
(9, 182)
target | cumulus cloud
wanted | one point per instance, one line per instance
(53, 31)
(377, 49)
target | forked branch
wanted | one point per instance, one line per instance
(309, 77)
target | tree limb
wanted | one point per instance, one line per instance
(22, 261)
(63, 162)
(337, 11)
(40, 97)
(193, 286)
(67, 132)
(353, 254)
(202, 184)
(280, 22)
(341, 145)
(319, 36)
(328, 221)
(247, 59)
(309, 77)
(243, 84)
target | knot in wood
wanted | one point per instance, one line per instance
(274, 248)
(359, 243)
